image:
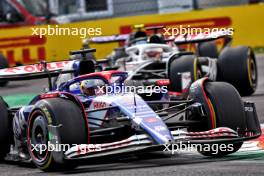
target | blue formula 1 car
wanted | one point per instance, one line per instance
(87, 115)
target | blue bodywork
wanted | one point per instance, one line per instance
(131, 105)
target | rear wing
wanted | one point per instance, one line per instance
(34, 71)
(110, 39)
(179, 39)
(201, 37)
(43, 69)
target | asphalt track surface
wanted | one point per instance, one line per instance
(249, 161)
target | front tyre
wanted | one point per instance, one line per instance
(72, 130)
(228, 111)
(5, 129)
(238, 67)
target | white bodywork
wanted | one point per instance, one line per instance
(138, 59)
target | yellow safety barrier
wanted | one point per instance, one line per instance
(18, 44)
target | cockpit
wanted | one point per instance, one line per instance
(95, 84)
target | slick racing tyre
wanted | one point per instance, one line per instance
(5, 129)
(72, 129)
(228, 111)
(183, 71)
(207, 49)
(238, 67)
(3, 64)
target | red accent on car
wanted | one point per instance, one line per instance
(163, 82)
(105, 74)
(49, 95)
(151, 119)
(207, 101)
(175, 93)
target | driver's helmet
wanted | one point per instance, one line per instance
(87, 87)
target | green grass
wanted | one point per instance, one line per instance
(19, 99)
(259, 50)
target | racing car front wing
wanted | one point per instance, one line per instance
(143, 142)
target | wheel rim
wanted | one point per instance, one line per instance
(38, 135)
(197, 70)
(252, 72)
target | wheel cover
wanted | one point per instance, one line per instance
(38, 136)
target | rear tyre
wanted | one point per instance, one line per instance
(228, 112)
(183, 64)
(5, 129)
(238, 67)
(207, 49)
(3, 64)
(73, 130)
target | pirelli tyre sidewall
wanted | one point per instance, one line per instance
(238, 66)
(3, 64)
(228, 111)
(5, 129)
(183, 64)
(72, 130)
